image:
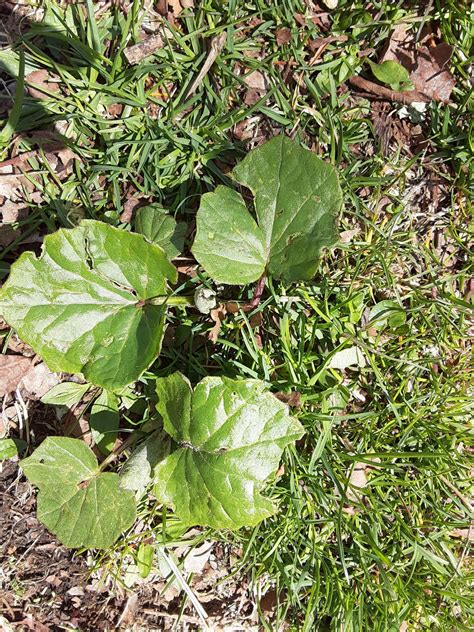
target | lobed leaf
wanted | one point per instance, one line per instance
(80, 505)
(81, 304)
(297, 198)
(230, 435)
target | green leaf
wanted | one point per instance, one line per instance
(230, 435)
(393, 74)
(104, 421)
(348, 357)
(297, 198)
(145, 555)
(138, 470)
(65, 394)
(10, 63)
(82, 304)
(386, 313)
(80, 505)
(158, 226)
(10, 448)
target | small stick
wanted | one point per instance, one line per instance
(217, 44)
(387, 94)
(134, 54)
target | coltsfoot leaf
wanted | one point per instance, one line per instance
(297, 198)
(82, 304)
(230, 435)
(80, 505)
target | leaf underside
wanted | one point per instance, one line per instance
(80, 305)
(297, 197)
(230, 435)
(82, 507)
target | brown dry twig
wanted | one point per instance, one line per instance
(385, 93)
(134, 54)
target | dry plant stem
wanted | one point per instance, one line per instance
(385, 93)
(134, 54)
(217, 44)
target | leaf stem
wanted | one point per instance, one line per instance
(172, 301)
(113, 455)
(257, 294)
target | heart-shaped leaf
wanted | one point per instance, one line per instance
(297, 198)
(82, 305)
(230, 435)
(158, 226)
(76, 502)
(393, 74)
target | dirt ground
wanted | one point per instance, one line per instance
(45, 587)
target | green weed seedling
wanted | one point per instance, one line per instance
(95, 303)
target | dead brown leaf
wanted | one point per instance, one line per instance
(465, 534)
(256, 320)
(176, 6)
(12, 370)
(218, 314)
(358, 480)
(283, 36)
(19, 347)
(256, 80)
(293, 399)
(427, 64)
(38, 381)
(431, 75)
(198, 557)
(129, 207)
(40, 82)
(11, 183)
(136, 53)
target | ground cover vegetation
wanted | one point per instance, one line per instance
(141, 128)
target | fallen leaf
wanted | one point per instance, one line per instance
(198, 558)
(40, 82)
(283, 36)
(129, 207)
(115, 109)
(257, 87)
(252, 96)
(348, 235)
(38, 381)
(431, 75)
(12, 370)
(427, 65)
(293, 399)
(187, 270)
(256, 320)
(256, 80)
(19, 347)
(129, 612)
(218, 314)
(358, 480)
(12, 212)
(465, 534)
(11, 183)
(176, 6)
